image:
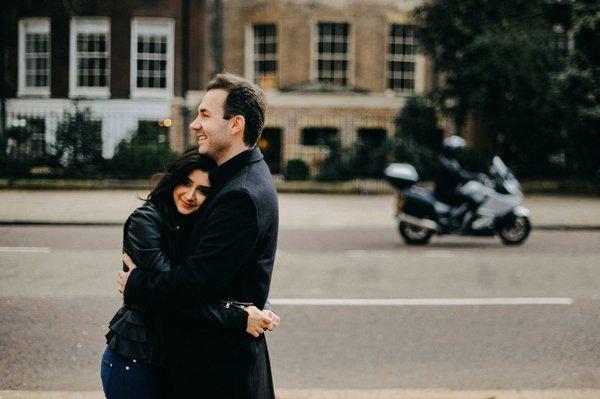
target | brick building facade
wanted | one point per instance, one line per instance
(126, 60)
(332, 69)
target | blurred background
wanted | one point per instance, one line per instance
(106, 89)
(99, 95)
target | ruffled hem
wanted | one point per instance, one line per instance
(128, 336)
(129, 323)
(130, 349)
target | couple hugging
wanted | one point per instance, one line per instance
(198, 258)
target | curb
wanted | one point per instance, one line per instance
(350, 187)
(57, 223)
(358, 394)
(547, 227)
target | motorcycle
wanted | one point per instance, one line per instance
(497, 207)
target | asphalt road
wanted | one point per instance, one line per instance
(58, 291)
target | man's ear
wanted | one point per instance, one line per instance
(238, 124)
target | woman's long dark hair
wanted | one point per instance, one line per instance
(177, 173)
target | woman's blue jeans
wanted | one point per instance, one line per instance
(127, 378)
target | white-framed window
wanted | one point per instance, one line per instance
(89, 57)
(401, 58)
(152, 43)
(332, 53)
(34, 57)
(264, 55)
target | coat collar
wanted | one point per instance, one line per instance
(220, 175)
(173, 220)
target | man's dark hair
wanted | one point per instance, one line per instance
(244, 98)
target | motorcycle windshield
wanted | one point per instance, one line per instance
(500, 167)
(513, 187)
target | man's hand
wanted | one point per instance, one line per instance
(275, 320)
(258, 321)
(123, 276)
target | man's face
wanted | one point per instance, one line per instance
(212, 131)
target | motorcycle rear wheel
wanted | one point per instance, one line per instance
(516, 231)
(414, 235)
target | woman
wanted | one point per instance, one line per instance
(155, 236)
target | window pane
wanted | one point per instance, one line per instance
(401, 57)
(92, 60)
(151, 61)
(265, 51)
(37, 59)
(333, 54)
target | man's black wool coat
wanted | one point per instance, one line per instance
(231, 256)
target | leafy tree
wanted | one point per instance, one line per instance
(418, 137)
(497, 65)
(581, 91)
(78, 144)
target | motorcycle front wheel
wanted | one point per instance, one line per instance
(515, 231)
(414, 235)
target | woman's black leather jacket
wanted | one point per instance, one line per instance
(154, 236)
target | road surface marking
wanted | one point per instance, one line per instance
(44, 250)
(419, 301)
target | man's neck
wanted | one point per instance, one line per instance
(231, 152)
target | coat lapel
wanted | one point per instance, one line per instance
(218, 178)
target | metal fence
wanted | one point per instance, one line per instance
(43, 140)
(70, 140)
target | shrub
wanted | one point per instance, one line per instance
(338, 164)
(369, 159)
(133, 160)
(17, 157)
(418, 138)
(78, 144)
(296, 169)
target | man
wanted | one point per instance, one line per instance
(231, 253)
(450, 175)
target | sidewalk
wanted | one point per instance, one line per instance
(311, 211)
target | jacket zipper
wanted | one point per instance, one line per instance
(240, 305)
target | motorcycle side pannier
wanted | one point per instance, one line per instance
(401, 175)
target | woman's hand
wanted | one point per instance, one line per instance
(258, 321)
(123, 276)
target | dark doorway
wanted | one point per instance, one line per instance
(270, 145)
(319, 136)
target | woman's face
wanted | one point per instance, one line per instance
(190, 194)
